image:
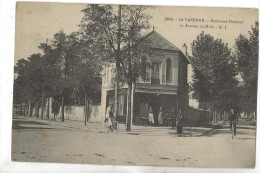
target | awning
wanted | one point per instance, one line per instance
(155, 91)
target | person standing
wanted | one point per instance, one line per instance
(150, 116)
(179, 122)
(160, 117)
(109, 117)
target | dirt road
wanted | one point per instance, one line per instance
(34, 141)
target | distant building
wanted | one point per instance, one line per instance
(164, 86)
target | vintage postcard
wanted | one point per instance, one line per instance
(135, 85)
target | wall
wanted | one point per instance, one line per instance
(77, 113)
(72, 112)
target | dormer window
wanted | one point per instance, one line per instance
(168, 70)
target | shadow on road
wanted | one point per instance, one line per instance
(17, 124)
(243, 128)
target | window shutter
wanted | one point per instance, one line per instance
(163, 73)
(175, 76)
(175, 70)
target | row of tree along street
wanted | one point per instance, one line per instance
(69, 69)
(223, 79)
(71, 64)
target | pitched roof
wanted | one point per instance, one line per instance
(157, 41)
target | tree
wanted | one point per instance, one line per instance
(69, 65)
(86, 70)
(21, 89)
(78, 67)
(102, 24)
(214, 79)
(33, 75)
(246, 53)
(64, 54)
(53, 72)
(114, 29)
(202, 89)
(135, 19)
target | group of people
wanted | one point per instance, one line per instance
(176, 119)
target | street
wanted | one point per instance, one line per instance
(39, 141)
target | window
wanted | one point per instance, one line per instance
(168, 70)
(155, 73)
(145, 70)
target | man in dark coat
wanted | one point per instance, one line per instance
(179, 122)
(233, 120)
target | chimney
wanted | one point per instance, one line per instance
(184, 49)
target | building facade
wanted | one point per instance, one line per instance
(165, 84)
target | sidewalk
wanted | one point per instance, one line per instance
(136, 130)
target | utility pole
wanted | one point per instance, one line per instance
(117, 62)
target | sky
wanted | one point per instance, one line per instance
(37, 21)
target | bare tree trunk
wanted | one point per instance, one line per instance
(30, 108)
(85, 101)
(48, 108)
(204, 115)
(117, 62)
(132, 102)
(209, 117)
(62, 108)
(37, 109)
(128, 125)
(88, 105)
(116, 94)
(213, 116)
(42, 105)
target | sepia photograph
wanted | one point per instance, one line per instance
(135, 85)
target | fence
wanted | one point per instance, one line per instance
(196, 116)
